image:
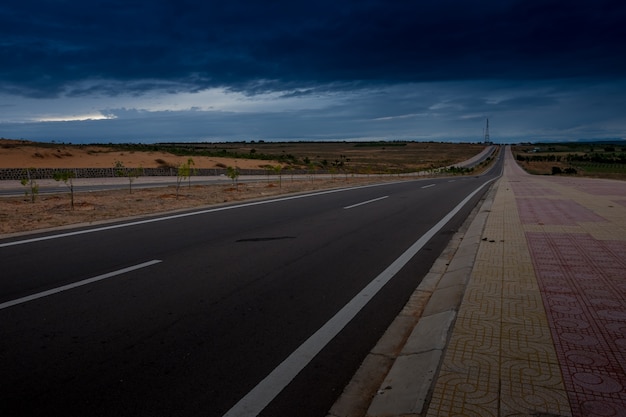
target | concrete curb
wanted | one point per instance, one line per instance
(408, 356)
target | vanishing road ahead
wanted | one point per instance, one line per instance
(262, 308)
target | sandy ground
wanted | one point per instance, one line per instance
(12, 155)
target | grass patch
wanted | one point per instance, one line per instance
(587, 160)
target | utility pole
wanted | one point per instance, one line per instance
(487, 140)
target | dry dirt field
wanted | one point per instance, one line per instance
(22, 154)
(363, 157)
(19, 214)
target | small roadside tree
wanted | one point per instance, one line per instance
(66, 177)
(185, 171)
(30, 185)
(291, 169)
(311, 168)
(278, 170)
(233, 174)
(131, 173)
(268, 171)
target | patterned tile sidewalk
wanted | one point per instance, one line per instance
(541, 330)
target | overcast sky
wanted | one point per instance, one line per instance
(156, 70)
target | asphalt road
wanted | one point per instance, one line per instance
(201, 313)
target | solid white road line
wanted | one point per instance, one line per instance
(365, 202)
(428, 186)
(261, 395)
(76, 284)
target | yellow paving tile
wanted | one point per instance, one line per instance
(469, 391)
(500, 360)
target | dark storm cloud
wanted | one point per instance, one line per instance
(51, 48)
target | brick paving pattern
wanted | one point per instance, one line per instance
(541, 330)
(583, 283)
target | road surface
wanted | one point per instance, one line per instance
(262, 308)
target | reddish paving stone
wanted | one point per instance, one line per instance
(530, 189)
(594, 187)
(554, 212)
(583, 286)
